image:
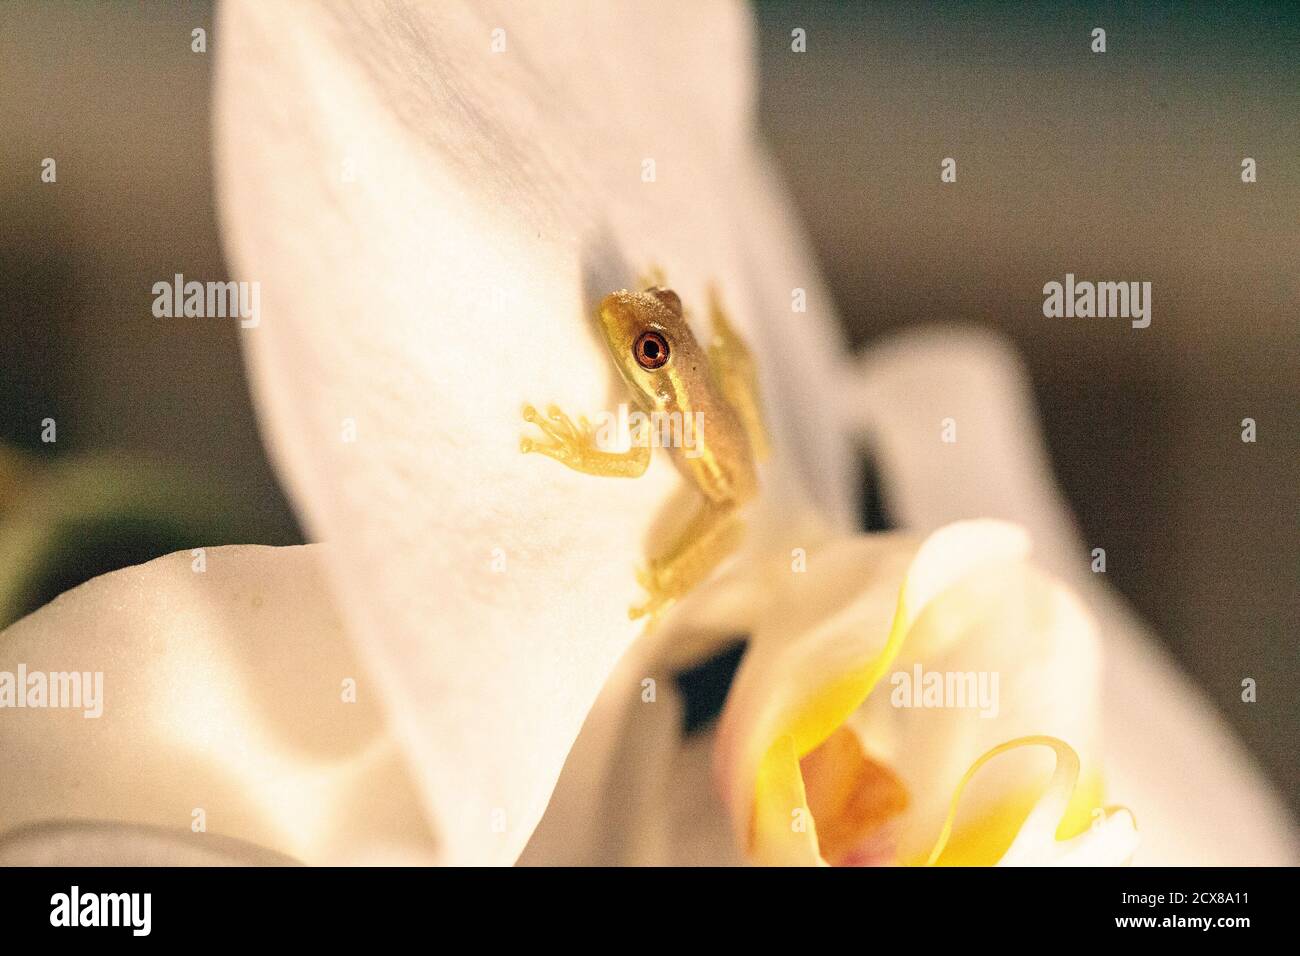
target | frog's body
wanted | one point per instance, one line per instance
(669, 374)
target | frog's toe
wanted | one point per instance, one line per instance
(533, 417)
(646, 578)
(555, 427)
(651, 609)
(560, 422)
(658, 597)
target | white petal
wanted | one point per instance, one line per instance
(1032, 648)
(124, 844)
(430, 223)
(635, 790)
(222, 692)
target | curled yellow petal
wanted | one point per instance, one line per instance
(785, 833)
(1050, 834)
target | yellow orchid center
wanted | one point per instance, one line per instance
(820, 796)
(853, 800)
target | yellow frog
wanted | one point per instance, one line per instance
(672, 378)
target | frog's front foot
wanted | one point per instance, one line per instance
(575, 444)
(566, 441)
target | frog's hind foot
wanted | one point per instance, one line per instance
(658, 599)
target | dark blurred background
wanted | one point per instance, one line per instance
(113, 93)
(1123, 165)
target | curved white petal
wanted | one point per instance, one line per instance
(636, 790)
(224, 703)
(1023, 653)
(126, 844)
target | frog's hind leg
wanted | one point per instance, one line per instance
(712, 534)
(736, 375)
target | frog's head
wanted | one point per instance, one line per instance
(648, 339)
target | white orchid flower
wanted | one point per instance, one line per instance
(820, 765)
(432, 197)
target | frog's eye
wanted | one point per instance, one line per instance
(650, 350)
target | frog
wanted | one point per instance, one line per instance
(667, 371)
